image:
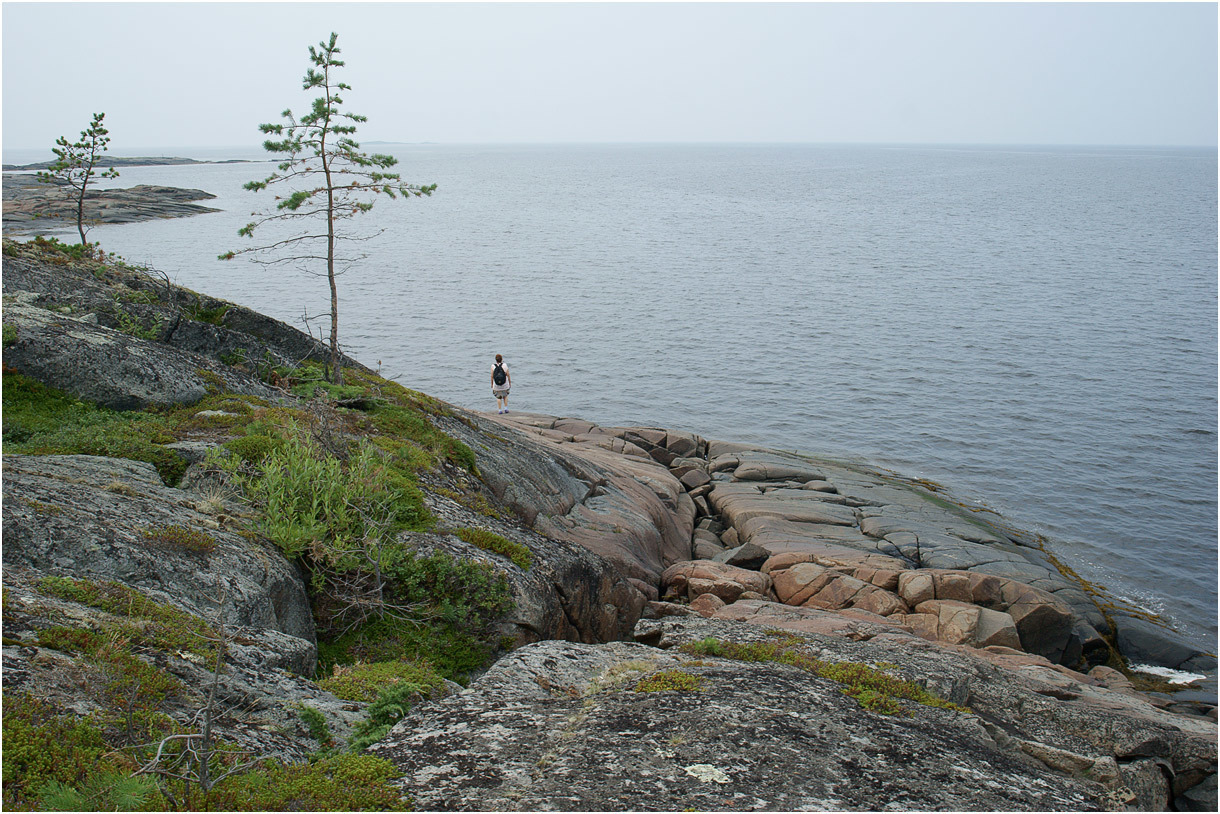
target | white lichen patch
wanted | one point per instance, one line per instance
(707, 773)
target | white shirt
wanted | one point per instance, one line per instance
(507, 377)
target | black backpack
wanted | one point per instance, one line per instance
(498, 376)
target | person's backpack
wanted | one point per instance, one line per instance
(498, 376)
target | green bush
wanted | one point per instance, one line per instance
(341, 782)
(317, 503)
(10, 335)
(41, 746)
(458, 602)
(488, 541)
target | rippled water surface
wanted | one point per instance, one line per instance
(1033, 327)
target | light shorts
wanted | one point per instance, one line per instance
(499, 394)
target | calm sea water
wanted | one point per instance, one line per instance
(1033, 327)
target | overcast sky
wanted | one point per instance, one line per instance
(206, 74)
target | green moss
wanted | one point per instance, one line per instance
(363, 681)
(10, 335)
(873, 687)
(39, 420)
(157, 625)
(489, 541)
(179, 538)
(670, 681)
(212, 381)
(129, 679)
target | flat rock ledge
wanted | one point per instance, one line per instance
(821, 535)
(31, 207)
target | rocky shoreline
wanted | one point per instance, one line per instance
(31, 207)
(694, 623)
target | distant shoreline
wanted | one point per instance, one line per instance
(121, 161)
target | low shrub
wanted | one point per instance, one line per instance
(43, 746)
(362, 681)
(343, 782)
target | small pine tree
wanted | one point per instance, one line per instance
(331, 177)
(76, 165)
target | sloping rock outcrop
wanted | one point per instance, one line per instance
(559, 726)
(111, 519)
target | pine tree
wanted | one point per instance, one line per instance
(329, 178)
(76, 165)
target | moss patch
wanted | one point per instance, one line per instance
(489, 541)
(873, 688)
(670, 681)
(40, 420)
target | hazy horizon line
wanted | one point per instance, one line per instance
(141, 151)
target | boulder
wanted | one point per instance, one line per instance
(706, 604)
(811, 585)
(747, 556)
(702, 576)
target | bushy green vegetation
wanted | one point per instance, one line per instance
(315, 502)
(57, 761)
(872, 686)
(489, 541)
(362, 681)
(41, 420)
(342, 782)
(453, 606)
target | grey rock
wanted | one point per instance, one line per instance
(1145, 642)
(744, 556)
(559, 727)
(84, 516)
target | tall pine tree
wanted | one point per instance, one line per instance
(327, 177)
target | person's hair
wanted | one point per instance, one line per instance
(499, 358)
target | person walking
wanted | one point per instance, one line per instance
(501, 381)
